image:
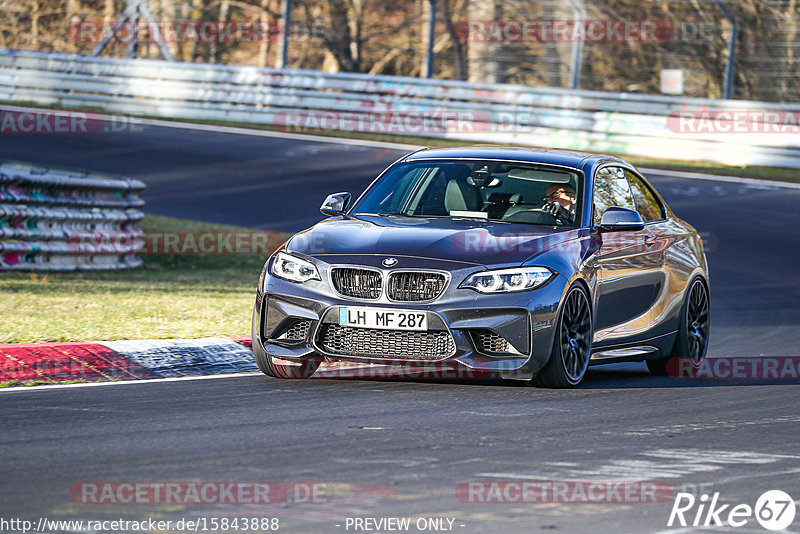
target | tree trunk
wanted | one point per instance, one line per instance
(483, 55)
(169, 15)
(459, 69)
(340, 38)
(35, 24)
(217, 48)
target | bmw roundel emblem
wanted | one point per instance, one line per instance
(390, 262)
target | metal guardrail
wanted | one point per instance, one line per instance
(57, 219)
(622, 123)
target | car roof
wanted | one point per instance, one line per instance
(564, 158)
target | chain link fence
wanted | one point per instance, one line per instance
(744, 49)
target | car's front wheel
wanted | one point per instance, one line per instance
(270, 367)
(572, 346)
(691, 343)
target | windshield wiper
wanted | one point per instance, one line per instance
(449, 217)
(381, 215)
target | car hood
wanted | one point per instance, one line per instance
(467, 241)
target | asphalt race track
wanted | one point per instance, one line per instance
(415, 442)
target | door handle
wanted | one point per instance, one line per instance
(649, 239)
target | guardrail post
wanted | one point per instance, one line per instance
(133, 47)
(133, 11)
(730, 65)
(160, 40)
(431, 39)
(287, 20)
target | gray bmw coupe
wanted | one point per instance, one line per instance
(517, 263)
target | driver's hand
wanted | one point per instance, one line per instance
(557, 210)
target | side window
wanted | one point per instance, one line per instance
(611, 188)
(647, 204)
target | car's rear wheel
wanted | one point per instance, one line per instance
(691, 344)
(572, 346)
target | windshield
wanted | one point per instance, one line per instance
(485, 189)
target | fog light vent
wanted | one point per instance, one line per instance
(297, 332)
(490, 342)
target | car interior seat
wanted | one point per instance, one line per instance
(461, 196)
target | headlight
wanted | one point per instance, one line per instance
(508, 280)
(293, 269)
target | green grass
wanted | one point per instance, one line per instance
(170, 297)
(16, 383)
(757, 172)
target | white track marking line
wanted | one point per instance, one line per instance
(393, 146)
(22, 389)
(279, 135)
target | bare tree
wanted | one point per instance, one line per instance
(342, 41)
(457, 46)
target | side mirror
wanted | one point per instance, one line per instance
(616, 219)
(335, 204)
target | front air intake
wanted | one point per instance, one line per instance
(415, 286)
(370, 343)
(357, 283)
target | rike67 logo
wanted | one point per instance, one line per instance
(774, 510)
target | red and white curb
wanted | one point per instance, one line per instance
(124, 360)
(174, 359)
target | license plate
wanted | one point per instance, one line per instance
(383, 319)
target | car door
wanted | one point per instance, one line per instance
(659, 236)
(628, 267)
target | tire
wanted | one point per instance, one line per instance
(572, 343)
(691, 343)
(267, 366)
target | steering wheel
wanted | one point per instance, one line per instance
(561, 214)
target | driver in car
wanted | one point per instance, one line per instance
(559, 202)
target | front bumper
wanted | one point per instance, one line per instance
(524, 320)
